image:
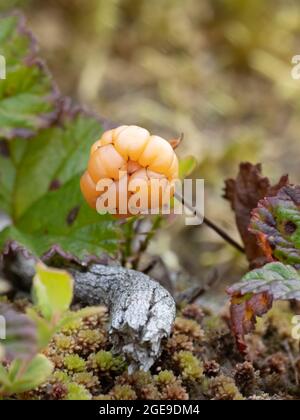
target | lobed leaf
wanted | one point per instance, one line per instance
(254, 295)
(21, 378)
(39, 184)
(276, 223)
(39, 177)
(27, 96)
(279, 280)
(244, 193)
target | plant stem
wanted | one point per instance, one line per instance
(224, 235)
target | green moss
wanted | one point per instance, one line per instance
(77, 392)
(224, 388)
(84, 367)
(74, 363)
(191, 367)
(165, 377)
(60, 376)
(73, 325)
(105, 361)
(91, 336)
(86, 378)
(123, 392)
(63, 342)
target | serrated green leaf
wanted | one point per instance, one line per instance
(43, 196)
(281, 281)
(52, 291)
(34, 374)
(27, 95)
(39, 177)
(254, 294)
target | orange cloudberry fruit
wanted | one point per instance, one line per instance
(121, 160)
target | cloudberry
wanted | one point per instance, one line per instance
(123, 157)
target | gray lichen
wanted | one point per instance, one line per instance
(141, 310)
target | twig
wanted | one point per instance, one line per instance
(192, 294)
(224, 235)
(144, 244)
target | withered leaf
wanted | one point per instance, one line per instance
(243, 313)
(254, 294)
(244, 193)
(276, 223)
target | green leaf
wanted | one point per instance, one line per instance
(52, 290)
(40, 183)
(27, 95)
(279, 280)
(39, 176)
(254, 295)
(186, 166)
(45, 330)
(27, 377)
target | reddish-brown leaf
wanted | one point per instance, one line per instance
(243, 312)
(244, 193)
(276, 224)
(254, 294)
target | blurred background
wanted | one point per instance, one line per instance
(217, 70)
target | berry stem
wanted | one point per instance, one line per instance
(224, 235)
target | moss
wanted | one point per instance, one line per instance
(191, 368)
(87, 379)
(72, 326)
(105, 361)
(246, 377)
(123, 392)
(189, 327)
(193, 311)
(165, 377)
(77, 392)
(74, 363)
(170, 387)
(174, 392)
(64, 342)
(142, 383)
(90, 340)
(86, 368)
(60, 376)
(224, 388)
(102, 397)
